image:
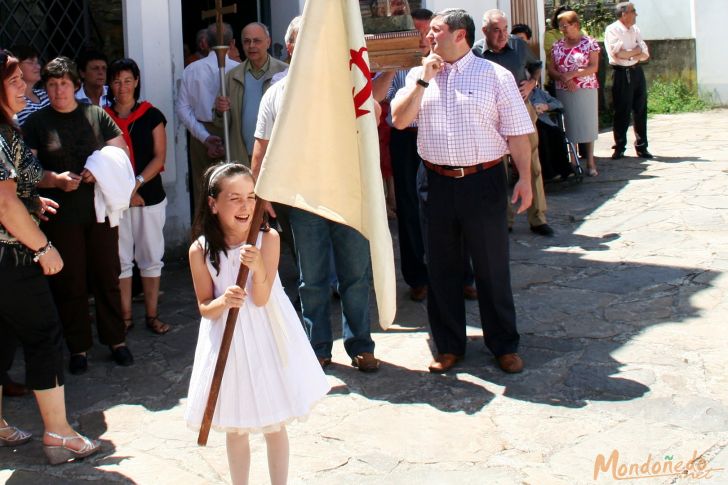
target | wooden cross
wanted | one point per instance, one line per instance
(218, 12)
(221, 51)
(227, 336)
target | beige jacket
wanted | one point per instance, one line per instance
(235, 86)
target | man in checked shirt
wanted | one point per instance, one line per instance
(469, 113)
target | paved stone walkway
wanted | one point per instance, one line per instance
(623, 321)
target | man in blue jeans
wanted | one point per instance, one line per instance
(315, 237)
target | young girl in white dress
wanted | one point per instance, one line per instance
(272, 375)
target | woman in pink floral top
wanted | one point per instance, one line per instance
(574, 67)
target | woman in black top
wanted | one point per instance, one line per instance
(140, 231)
(26, 255)
(63, 135)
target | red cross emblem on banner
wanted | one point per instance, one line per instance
(357, 59)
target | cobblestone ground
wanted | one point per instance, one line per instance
(623, 322)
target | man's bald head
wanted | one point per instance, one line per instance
(256, 42)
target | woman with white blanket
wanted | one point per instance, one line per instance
(62, 136)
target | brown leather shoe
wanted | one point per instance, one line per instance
(324, 362)
(510, 363)
(470, 293)
(14, 389)
(365, 362)
(444, 362)
(418, 293)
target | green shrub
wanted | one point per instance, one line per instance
(673, 97)
(594, 15)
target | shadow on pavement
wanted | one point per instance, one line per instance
(28, 457)
(91, 476)
(399, 385)
(573, 314)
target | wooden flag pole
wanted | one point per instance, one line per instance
(227, 336)
(221, 50)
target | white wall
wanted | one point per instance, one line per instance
(710, 18)
(665, 19)
(281, 14)
(153, 38)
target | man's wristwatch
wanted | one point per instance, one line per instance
(423, 83)
(140, 179)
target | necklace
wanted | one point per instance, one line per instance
(126, 115)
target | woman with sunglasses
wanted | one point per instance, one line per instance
(26, 304)
(36, 97)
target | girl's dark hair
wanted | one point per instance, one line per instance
(24, 52)
(206, 223)
(8, 65)
(116, 68)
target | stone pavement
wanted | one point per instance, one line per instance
(623, 322)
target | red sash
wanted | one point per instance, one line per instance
(124, 123)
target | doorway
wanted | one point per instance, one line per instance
(247, 12)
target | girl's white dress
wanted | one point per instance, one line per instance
(272, 375)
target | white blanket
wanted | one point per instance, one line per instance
(114, 183)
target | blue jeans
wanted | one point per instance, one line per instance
(315, 237)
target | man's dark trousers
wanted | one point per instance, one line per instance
(629, 96)
(472, 210)
(405, 163)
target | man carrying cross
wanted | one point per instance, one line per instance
(195, 100)
(245, 87)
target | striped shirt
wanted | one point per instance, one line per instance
(467, 112)
(31, 106)
(398, 83)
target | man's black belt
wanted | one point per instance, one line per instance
(625, 68)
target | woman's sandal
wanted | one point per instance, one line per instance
(16, 437)
(128, 325)
(62, 453)
(156, 325)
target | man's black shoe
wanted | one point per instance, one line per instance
(78, 364)
(644, 154)
(122, 356)
(618, 154)
(543, 230)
